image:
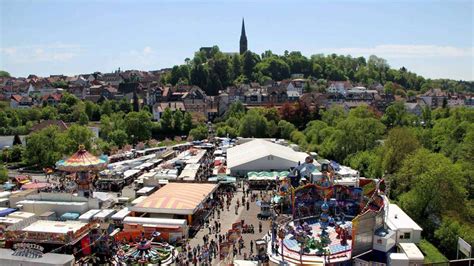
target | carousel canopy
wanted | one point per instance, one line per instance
(82, 160)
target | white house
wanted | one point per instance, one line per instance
(338, 87)
(406, 229)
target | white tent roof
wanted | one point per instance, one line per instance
(259, 148)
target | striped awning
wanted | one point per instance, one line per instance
(176, 198)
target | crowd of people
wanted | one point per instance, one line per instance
(208, 250)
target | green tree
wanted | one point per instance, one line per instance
(400, 143)
(236, 109)
(16, 140)
(16, 153)
(4, 120)
(106, 127)
(227, 131)
(78, 135)
(107, 108)
(178, 121)
(285, 128)
(44, 148)
(83, 119)
(250, 60)
(273, 67)
(368, 163)
(449, 231)
(118, 137)
(253, 124)
(166, 120)
(4, 74)
(299, 138)
(34, 114)
(187, 123)
(333, 115)
(395, 115)
(314, 130)
(200, 75)
(236, 67)
(69, 99)
(272, 128)
(49, 113)
(92, 110)
(14, 118)
(432, 183)
(199, 132)
(138, 126)
(351, 136)
(3, 174)
(125, 106)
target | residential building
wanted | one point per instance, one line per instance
(18, 101)
(52, 99)
(414, 108)
(434, 98)
(339, 87)
(159, 108)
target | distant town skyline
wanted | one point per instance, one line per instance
(430, 38)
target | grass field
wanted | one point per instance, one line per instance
(432, 254)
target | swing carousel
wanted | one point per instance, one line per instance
(83, 163)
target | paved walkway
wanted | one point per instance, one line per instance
(227, 218)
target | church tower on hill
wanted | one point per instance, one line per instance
(243, 39)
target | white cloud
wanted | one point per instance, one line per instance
(139, 58)
(404, 51)
(147, 50)
(53, 52)
(8, 51)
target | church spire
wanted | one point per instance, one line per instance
(243, 39)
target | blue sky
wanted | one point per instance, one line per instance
(431, 38)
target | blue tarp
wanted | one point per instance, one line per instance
(6, 212)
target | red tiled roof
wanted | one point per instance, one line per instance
(16, 98)
(55, 96)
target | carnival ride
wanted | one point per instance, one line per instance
(82, 163)
(144, 252)
(324, 216)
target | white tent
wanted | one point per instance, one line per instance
(262, 155)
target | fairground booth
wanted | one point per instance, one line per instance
(265, 180)
(53, 236)
(183, 208)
